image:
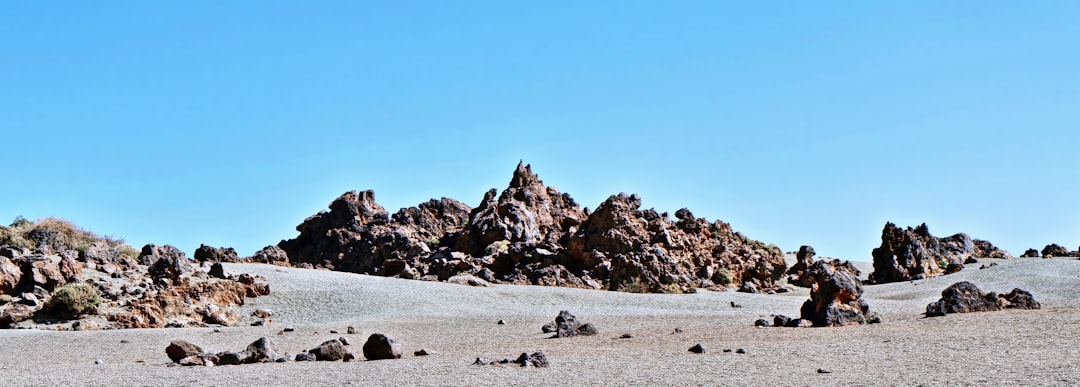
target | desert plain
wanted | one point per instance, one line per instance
(459, 324)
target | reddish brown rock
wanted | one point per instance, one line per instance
(10, 275)
(835, 296)
(911, 254)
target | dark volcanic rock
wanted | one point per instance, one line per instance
(835, 296)
(1054, 250)
(380, 347)
(985, 249)
(215, 254)
(272, 255)
(698, 348)
(536, 359)
(262, 350)
(913, 253)
(567, 325)
(180, 349)
(1030, 253)
(965, 297)
(331, 350)
(166, 261)
(533, 234)
(803, 260)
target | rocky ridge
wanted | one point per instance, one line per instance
(533, 234)
(56, 276)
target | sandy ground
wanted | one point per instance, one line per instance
(459, 323)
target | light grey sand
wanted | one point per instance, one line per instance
(458, 322)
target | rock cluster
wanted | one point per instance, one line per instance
(535, 359)
(798, 273)
(533, 234)
(965, 297)
(914, 253)
(1055, 250)
(102, 283)
(567, 325)
(260, 351)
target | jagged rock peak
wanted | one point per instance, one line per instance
(357, 208)
(524, 176)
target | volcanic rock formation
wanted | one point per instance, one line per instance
(533, 234)
(965, 297)
(914, 253)
(835, 295)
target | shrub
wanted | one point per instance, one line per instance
(722, 276)
(70, 301)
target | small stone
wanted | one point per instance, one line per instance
(734, 305)
(124, 341)
(99, 362)
(761, 323)
(480, 361)
(677, 330)
(289, 328)
(501, 322)
(740, 350)
(333, 332)
(350, 330)
(626, 336)
(698, 348)
(217, 330)
(824, 371)
(423, 352)
(727, 350)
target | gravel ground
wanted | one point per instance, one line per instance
(1039, 347)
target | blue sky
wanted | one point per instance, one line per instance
(228, 123)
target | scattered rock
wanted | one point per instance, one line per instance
(380, 347)
(215, 254)
(677, 331)
(824, 371)
(288, 328)
(626, 336)
(180, 349)
(331, 350)
(501, 322)
(734, 305)
(218, 271)
(350, 330)
(762, 323)
(567, 325)
(971, 261)
(1030, 253)
(965, 297)
(165, 262)
(698, 348)
(99, 362)
(740, 350)
(262, 350)
(423, 352)
(304, 356)
(536, 359)
(468, 279)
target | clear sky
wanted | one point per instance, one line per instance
(229, 122)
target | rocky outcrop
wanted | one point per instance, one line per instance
(533, 234)
(270, 254)
(965, 297)
(1030, 253)
(835, 296)
(165, 262)
(1055, 250)
(799, 275)
(914, 253)
(985, 249)
(215, 254)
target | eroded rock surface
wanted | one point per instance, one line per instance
(913, 253)
(835, 295)
(533, 234)
(965, 297)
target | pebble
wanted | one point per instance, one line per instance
(824, 371)
(698, 348)
(740, 350)
(501, 322)
(626, 336)
(99, 362)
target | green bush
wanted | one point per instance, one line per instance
(70, 301)
(722, 276)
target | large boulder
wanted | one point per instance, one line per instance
(272, 255)
(380, 347)
(914, 253)
(965, 297)
(985, 249)
(1030, 253)
(567, 325)
(165, 262)
(42, 271)
(10, 275)
(1054, 250)
(180, 349)
(835, 296)
(261, 351)
(215, 254)
(12, 313)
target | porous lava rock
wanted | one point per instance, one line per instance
(913, 253)
(835, 296)
(531, 233)
(965, 297)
